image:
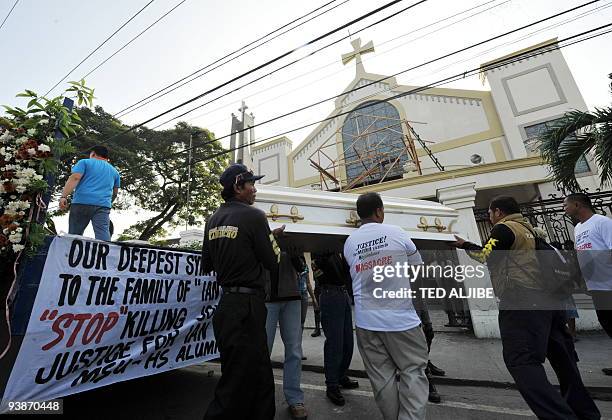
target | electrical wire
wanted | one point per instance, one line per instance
(393, 75)
(99, 46)
(133, 39)
(123, 112)
(377, 10)
(462, 75)
(472, 72)
(459, 76)
(382, 79)
(363, 59)
(274, 60)
(9, 13)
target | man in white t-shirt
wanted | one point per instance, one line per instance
(593, 237)
(389, 336)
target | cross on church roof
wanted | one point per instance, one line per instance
(243, 108)
(358, 50)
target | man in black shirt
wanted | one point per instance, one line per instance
(238, 245)
(531, 322)
(332, 273)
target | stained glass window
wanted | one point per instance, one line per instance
(374, 143)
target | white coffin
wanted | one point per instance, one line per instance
(309, 213)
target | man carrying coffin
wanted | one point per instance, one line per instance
(389, 335)
(237, 246)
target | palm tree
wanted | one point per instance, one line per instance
(573, 136)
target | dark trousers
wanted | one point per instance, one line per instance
(602, 300)
(337, 322)
(317, 312)
(246, 387)
(528, 338)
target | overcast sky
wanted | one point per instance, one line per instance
(42, 40)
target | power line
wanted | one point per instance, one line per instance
(274, 60)
(99, 46)
(459, 76)
(274, 71)
(526, 36)
(123, 111)
(475, 71)
(133, 39)
(289, 64)
(9, 13)
(267, 63)
(364, 59)
(468, 73)
(472, 72)
(396, 74)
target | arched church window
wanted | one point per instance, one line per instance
(373, 143)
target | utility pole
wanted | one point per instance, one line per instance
(187, 219)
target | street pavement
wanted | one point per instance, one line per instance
(469, 360)
(477, 385)
(184, 394)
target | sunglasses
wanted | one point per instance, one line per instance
(242, 176)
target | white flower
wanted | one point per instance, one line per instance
(31, 132)
(44, 148)
(25, 173)
(18, 247)
(32, 151)
(43, 121)
(15, 237)
(21, 140)
(15, 207)
(5, 137)
(19, 229)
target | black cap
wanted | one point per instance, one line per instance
(230, 175)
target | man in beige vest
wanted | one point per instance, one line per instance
(531, 327)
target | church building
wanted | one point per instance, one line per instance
(455, 147)
(418, 145)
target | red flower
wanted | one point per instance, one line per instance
(12, 227)
(6, 220)
(22, 152)
(8, 174)
(9, 187)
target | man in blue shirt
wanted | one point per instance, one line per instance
(95, 183)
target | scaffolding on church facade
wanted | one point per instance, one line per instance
(374, 149)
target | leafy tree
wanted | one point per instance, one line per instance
(153, 177)
(574, 135)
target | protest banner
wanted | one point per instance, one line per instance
(106, 313)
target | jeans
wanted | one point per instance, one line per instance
(337, 322)
(288, 314)
(528, 338)
(82, 214)
(304, 308)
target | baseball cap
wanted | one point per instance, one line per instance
(237, 173)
